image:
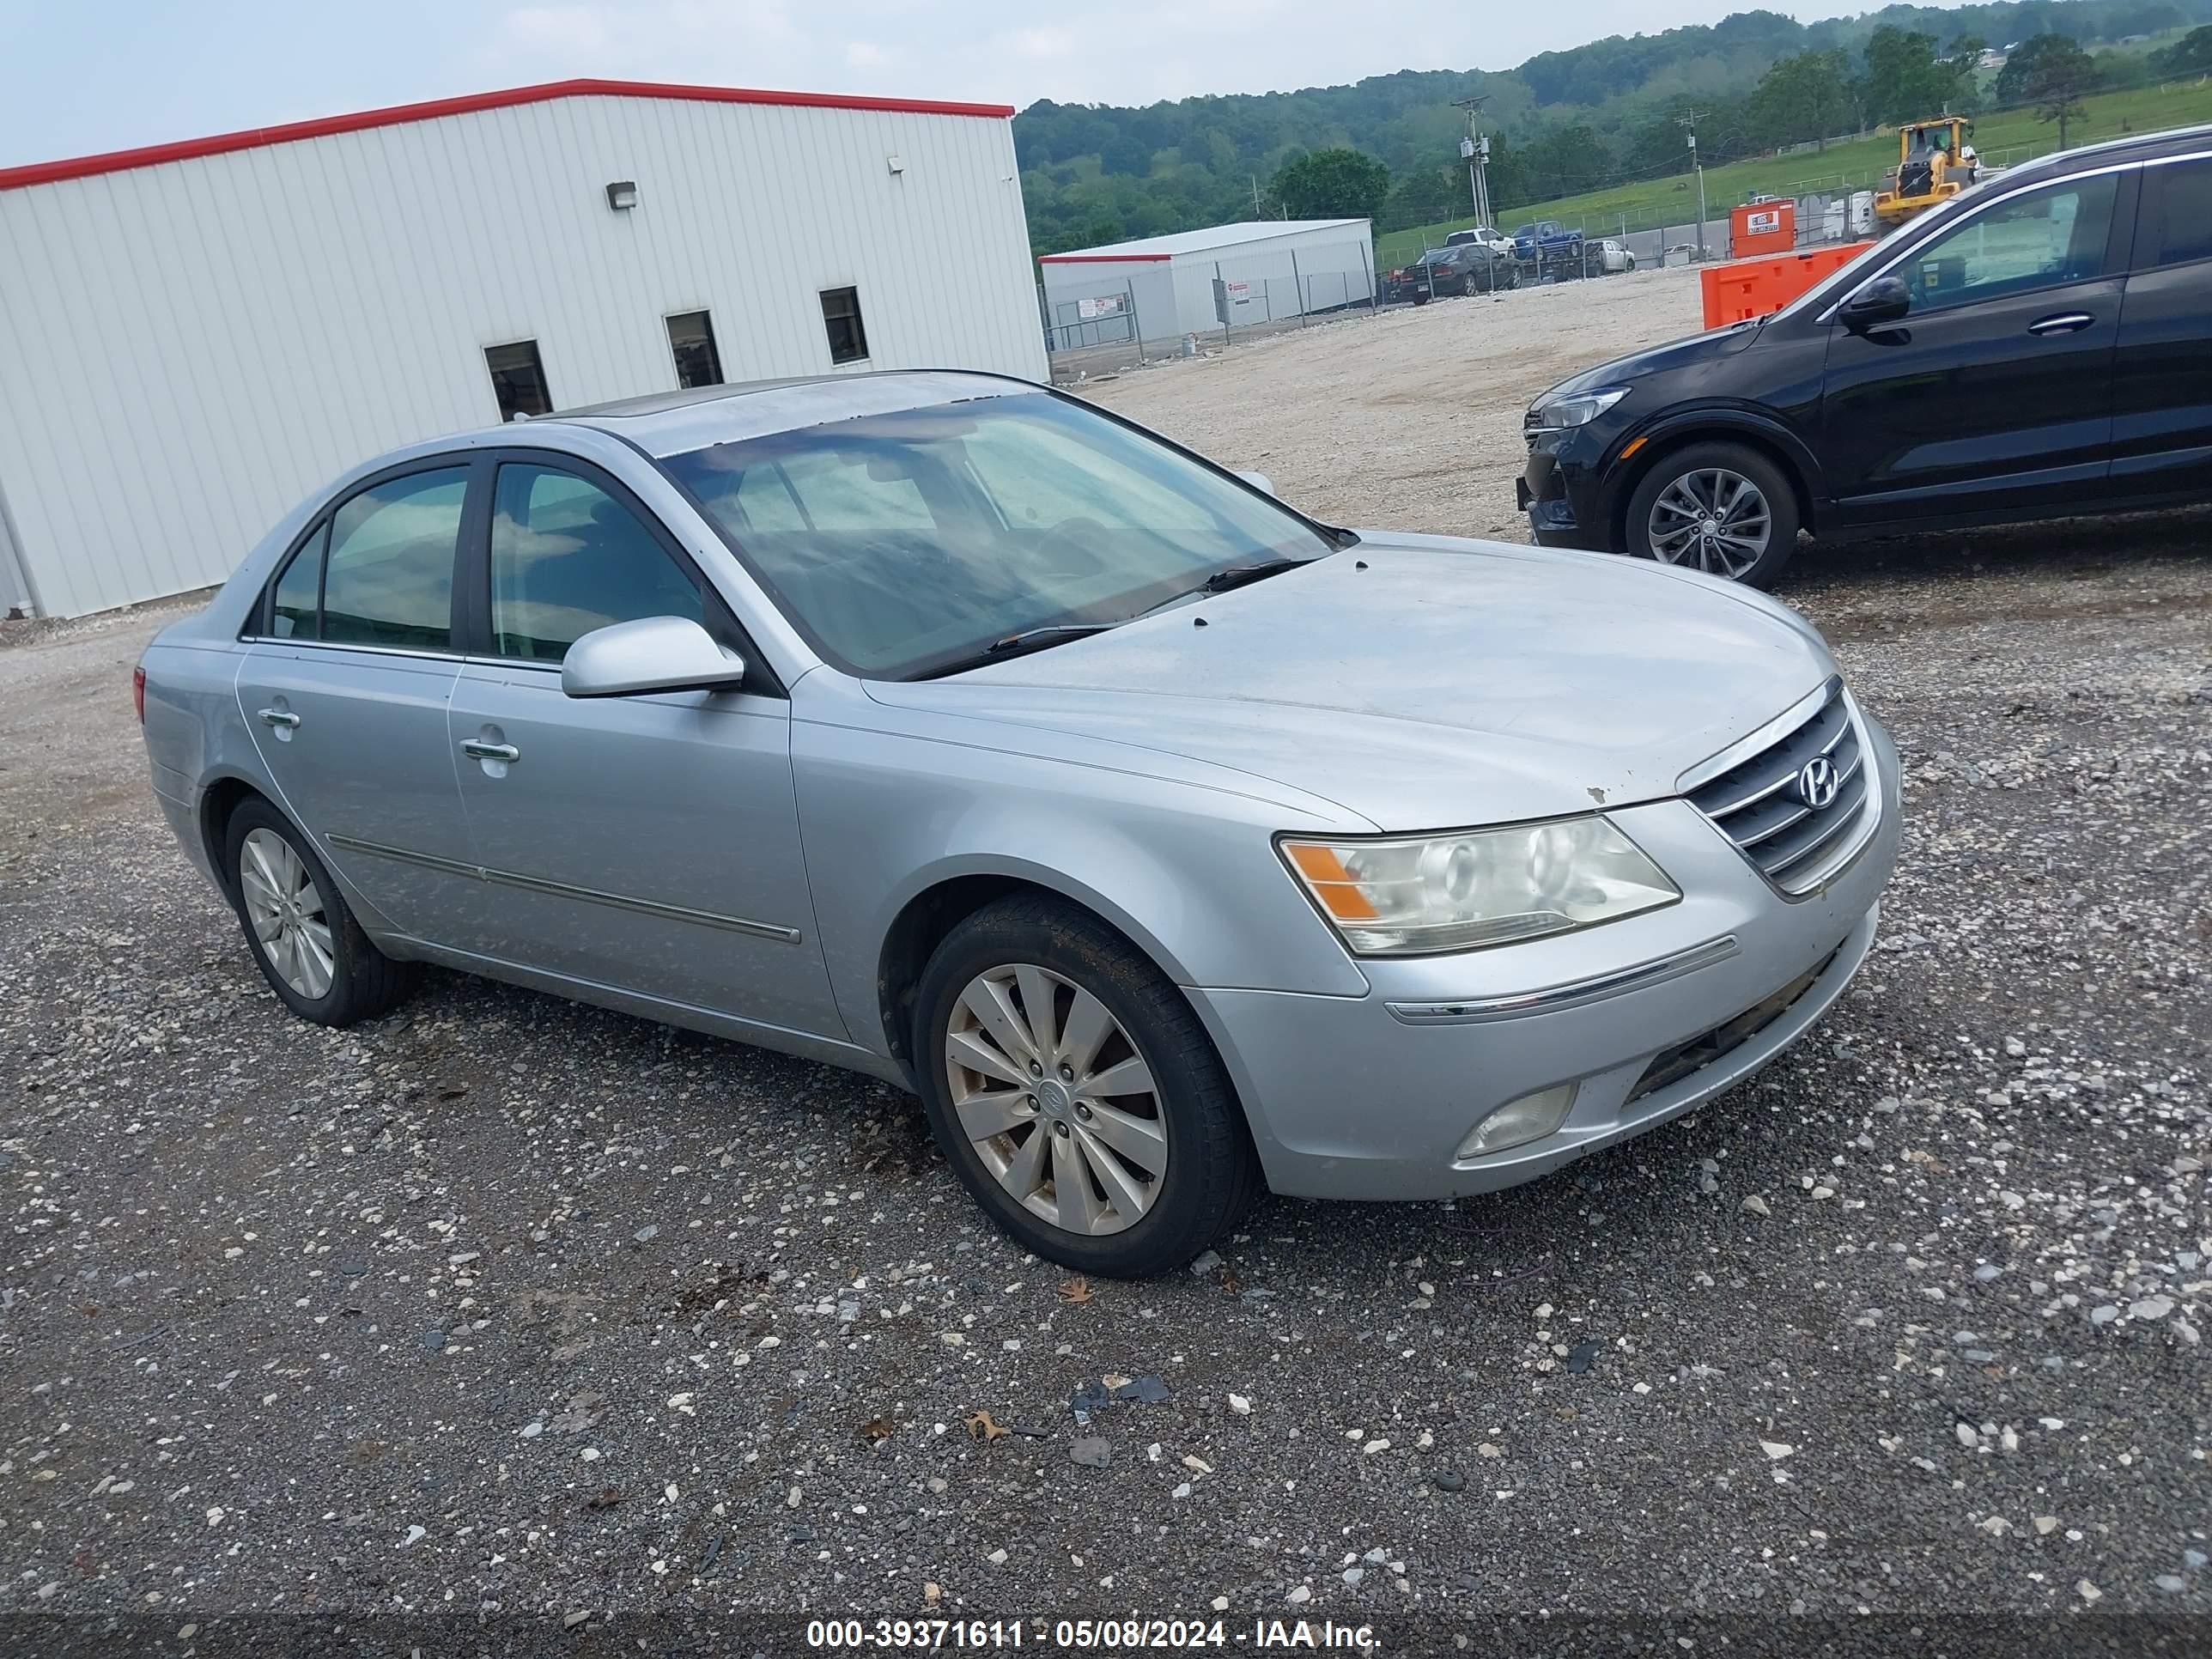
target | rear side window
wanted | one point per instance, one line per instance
(389, 577)
(2178, 214)
(298, 593)
(567, 558)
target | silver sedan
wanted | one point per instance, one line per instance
(1170, 844)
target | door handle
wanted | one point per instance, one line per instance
(2067, 322)
(280, 717)
(478, 748)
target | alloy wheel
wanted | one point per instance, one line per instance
(1055, 1099)
(285, 910)
(1712, 520)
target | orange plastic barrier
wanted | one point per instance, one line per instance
(1752, 287)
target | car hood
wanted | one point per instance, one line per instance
(1689, 352)
(1421, 682)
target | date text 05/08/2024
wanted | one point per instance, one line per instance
(1086, 1634)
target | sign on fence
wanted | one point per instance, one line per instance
(1106, 305)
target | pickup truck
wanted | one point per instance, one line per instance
(1550, 240)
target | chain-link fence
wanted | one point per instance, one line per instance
(1108, 323)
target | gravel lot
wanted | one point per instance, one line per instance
(504, 1315)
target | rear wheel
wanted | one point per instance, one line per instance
(1074, 1090)
(309, 946)
(1720, 507)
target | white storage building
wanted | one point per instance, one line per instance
(193, 336)
(1159, 288)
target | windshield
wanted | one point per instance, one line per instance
(1527, 231)
(902, 543)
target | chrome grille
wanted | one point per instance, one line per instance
(1756, 804)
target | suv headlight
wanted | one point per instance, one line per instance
(1580, 409)
(1420, 895)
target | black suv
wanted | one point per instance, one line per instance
(2040, 346)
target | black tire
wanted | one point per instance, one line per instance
(1212, 1173)
(364, 981)
(1747, 463)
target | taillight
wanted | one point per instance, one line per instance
(138, 693)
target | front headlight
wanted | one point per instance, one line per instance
(1463, 890)
(1580, 409)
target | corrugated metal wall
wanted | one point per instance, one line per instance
(1277, 269)
(186, 350)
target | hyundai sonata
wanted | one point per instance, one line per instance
(1169, 843)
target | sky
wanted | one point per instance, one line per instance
(78, 76)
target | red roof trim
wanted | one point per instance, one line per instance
(1084, 258)
(83, 167)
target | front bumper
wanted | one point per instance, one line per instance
(1560, 490)
(1370, 1097)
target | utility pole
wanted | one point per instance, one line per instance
(1475, 150)
(1689, 119)
(1256, 196)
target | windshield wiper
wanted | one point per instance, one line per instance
(1016, 644)
(1237, 575)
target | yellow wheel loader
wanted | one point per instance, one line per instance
(1935, 162)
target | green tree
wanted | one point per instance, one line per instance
(1332, 184)
(2189, 55)
(1427, 196)
(1807, 95)
(2052, 73)
(1906, 80)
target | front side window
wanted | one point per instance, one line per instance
(566, 558)
(904, 542)
(518, 379)
(841, 316)
(389, 575)
(2042, 239)
(299, 592)
(691, 340)
(2178, 214)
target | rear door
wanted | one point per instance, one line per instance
(648, 843)
(2162, 369)
(345, 687)
(1994, 396)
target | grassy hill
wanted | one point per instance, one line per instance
(2003, 136)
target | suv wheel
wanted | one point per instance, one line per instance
(1719, 507)
(309, 947)
(1074, 1090)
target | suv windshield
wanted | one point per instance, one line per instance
(903, 544)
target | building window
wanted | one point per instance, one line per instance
(840, 315)
(518, 379)
(692, 338)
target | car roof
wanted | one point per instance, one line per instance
(672, 423)
(2134, 146)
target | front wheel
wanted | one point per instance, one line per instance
(1723, 509)
(1077, 1095)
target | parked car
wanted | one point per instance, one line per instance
(1488, 236)
(1468, 268)
(2036, 347)
(1549, 240)
(1169, 843)
(1611, 258)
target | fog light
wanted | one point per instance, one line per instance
(1519, 1121)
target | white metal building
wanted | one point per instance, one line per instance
(1265, 270)
(193, 336)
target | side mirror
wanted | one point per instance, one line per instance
(1259, 481)
(1884, 300)
(654, 653)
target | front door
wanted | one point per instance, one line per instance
(2162, 371)
(648, 843)
(1994, 395)
(346, 688)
